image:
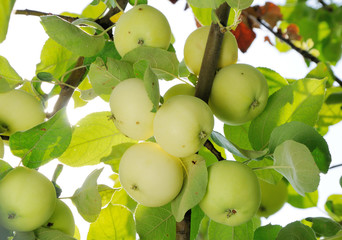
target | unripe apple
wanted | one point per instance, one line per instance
(273, 197)
(132, 109)
(195, 46)
(233, 193)
(62, 219)
(239, 94)
(27, 199)
(142, 25)
(19, 111)
(179, 89)
(151, 176)
(182, 125)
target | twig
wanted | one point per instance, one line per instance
(67, 91)
(4, 137)
(336, 166)
(325, 6)
(209, 145)
(304, 53)
(29, 12)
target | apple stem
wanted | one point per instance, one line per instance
(255, 104)
(11, 216)
(231, 212)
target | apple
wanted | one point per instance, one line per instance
(19, 111)
(182, 125)
(273, 197)
(27, 199)
(132, 109)
(151, 176)
(239, 94)
(179, 89)
(233, 193)
(195, 46)
(62, 219)
(142, 25)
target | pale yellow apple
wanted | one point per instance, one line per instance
(143, 25)
(19, 111)
(182, 125)
(195, 46)
(179, 89)
(151, 176)
(233, 193)
(27, 199)
(239, 94)
(132, 109)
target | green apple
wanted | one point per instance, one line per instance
(195, 46)
(151, 176)
(142, 25)
(239, 94)
(179, 89)
(182, 125)
(27, 199)
(132, 109)
(62, 219)
(273, 197)
(233, 193)
(19, 111)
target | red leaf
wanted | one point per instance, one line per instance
(271, 13)
(244, 36)
(292, 32)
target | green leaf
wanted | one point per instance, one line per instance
(143, 70)
(92, 139)
(72, 37)
(239, 4)
(87, 199)
(6, 7)
(108, 51)
(307, 201)
(113, 159)
(194, 186)
(321, 71)
(238, 135)
(269, 232)
(4, 168)
(44, 142)
(307, 135)
(333, 206)
(301, 101)
(45, 76)
(197, 216)
(94, 11)
(9, 78)
(295, 162)
(203, 15)
(330, 113)
(43, 233)
(205, 3)
(163, 63)
(105, 76)
(55, 59)
(24, 236)
(296, 231)
(220, 140)
(121, 197)
(218, 231)
(114, 223)
(263, 172)
(106, 193)
(155, 223)
(274, 80)
(324, 226)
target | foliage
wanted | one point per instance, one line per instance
(285, 140)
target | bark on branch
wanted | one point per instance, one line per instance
(203, 88)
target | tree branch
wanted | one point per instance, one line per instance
(203, 88)
(4, 137)
(209, 145)
(74, 80)
(304, 53)
(29, 12)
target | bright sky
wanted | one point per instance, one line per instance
(22, 49)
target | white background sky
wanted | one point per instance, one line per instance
(26, 38)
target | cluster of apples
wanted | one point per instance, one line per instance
(28, 201)
(151, 171)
